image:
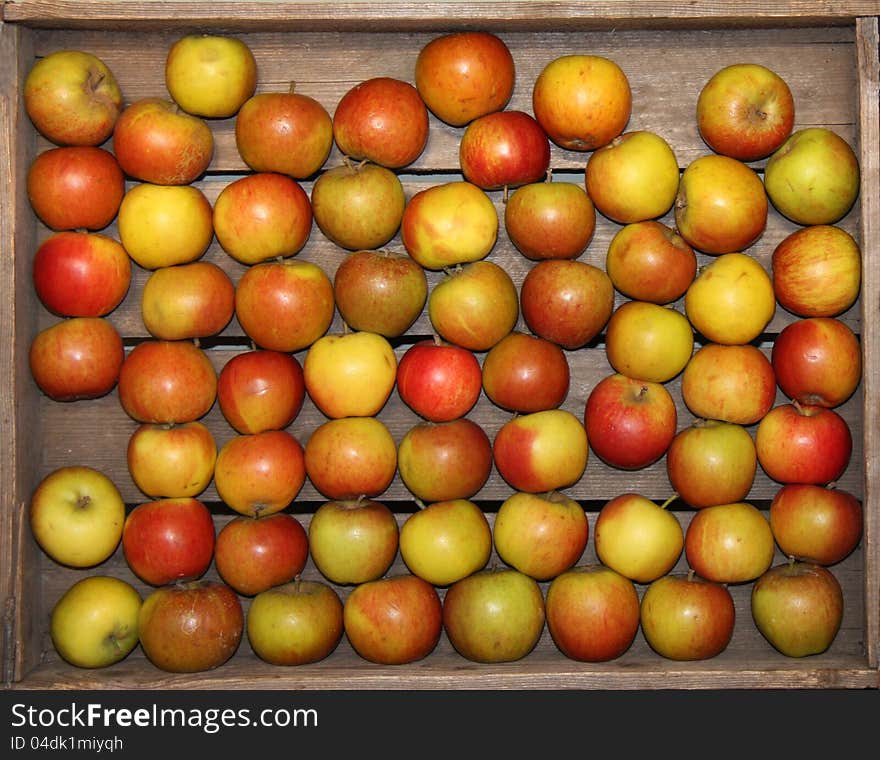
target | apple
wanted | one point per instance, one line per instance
(817, 361)
(444, 460)
(633, 178)
(729, 543)
(798, 607)
(745, 111)
(647, 341)
(550, 220)
(394, 620)
(731, 383)
(284, 305)
(350, 457)
(567, 302)
(154, 141)
(685, 617)
(474, 306)
(353, 541)
(382, 120)
(286, 132)
(582, 101)
(358, 206)
(210, 75)
(380, 291)
(254, 554)
(630, 423)
(541, 451)
(731, 300)
(76, 514)
(464, 75)
(169, 540)
(72, 98)
(526, 373)
(194, 300)
(813, 177)
(650, 261)
(191, 627)
(446, 541)
(258, 474)
(504, 149)
(540, 534)
(76, 358)
(295, 623)
(439, 381)
(260, 390)
(166, 382)
(592, 613)
(95, 622)
(798, 443)
(721, 206)
(711, 462)
(494, 615)
(817, 271)
(81, 274)
(75, 187)
(350, 374)
(171, 460)
(164, 225)
(262, 216)
(449, 223)
(814, 523)
(639, 538)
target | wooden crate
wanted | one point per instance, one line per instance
(668, 50)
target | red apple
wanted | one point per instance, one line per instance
(353, 541)
(191, 627)
(687, 617)
(504, 149)
(650, 261)
(592, 613)
(284, 305)
(445, 460)
(358, 206)
(155, 141)
(286, 132)
(464, 75)
(382, 120)
(258, 474)
(630, 423)
(167, 381)
(820, 524)
(380, 291)
(745, 111)
(254, 554)
(525, 373)
(260, 390)
(541, 451)
(394, 620)
(262, 216)
(550, 220)
(75, 187)
(799, 443)
(798, 607)
(817, 271)
(81, 274)
(817, 361)
(350, 457)
(77, 358)
(169, 540)
(439, 381)
(567, 302)
(711, 462)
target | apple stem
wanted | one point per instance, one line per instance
(669, 501)
(505, 194)
(549, 175)
(419, 503)
(292, 87)
(438, 341)
(690, 575)
(196, 342)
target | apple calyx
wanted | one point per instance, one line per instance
(83, 502)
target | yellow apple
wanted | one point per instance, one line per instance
(172, 460)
